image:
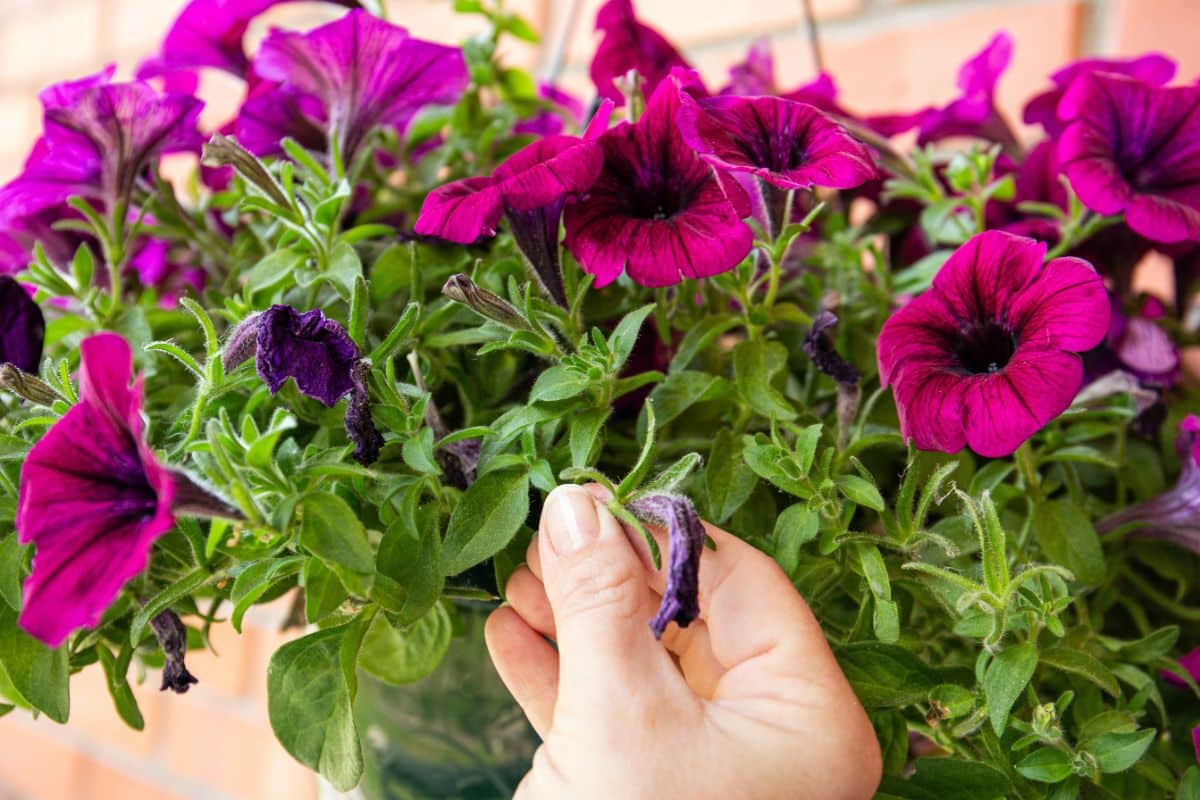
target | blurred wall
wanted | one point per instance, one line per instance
(887, 55)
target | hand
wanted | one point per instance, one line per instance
(747, 702)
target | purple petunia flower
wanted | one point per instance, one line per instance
(547, 122)
(680, 602)
(99, 136)
(530, 189)
(1141, 347)
(1174, 515)
(1154, 68)
(987, 356)
(273, 111)
(93, 498)
(630, 44)
(755, 76)
(22, 327)
(1135, 148)
(658, 210)
(210, 33)
(365, 71)
(787, 144)
(319, 355)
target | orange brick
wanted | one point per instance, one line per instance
(223, 673)
(101, 780)
(55, 39)
(93, 715)
(139, 25)
(1167, 26)
(37, 762)
(20, 122)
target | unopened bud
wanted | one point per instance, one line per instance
(461, 289)
(222, 151)
(26, 386)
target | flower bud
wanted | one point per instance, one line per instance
(461, 289)
(222, 151)
(26, 386)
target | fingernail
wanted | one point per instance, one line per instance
(571, 519)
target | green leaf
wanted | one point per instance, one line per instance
(795, 527)
(12, 558)
(1006, 679)
(182, 587)
(584, 431)
(1083, 664)
(37, 673)
(625, 335)
(956, 779)
(557, 383)
(860, 491)
(487, 516)
(331, 531)
(1045, 765)
(633, 480)
(699, 337)
(309, 702)
(1189, 785)
(255, 579)
(886, 675)
(770, 462)
(671, 478)
(408, 576)
(754, 363)
(1067, 537)
(682, 390)
(1152, 646)
(1117, 752)
(403, 655)
(118, 685)
(323, 592)
(728, 484)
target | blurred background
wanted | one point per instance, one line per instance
(886, 55)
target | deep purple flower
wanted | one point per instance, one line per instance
(755, 76)
(530, 189)
(319, 355)
(1141, 347)
(787, 144)
(629, 44)
(987, 356)
(1135, 148)
(22, 327)
(1174, 515)
(273, 111)
(657, 210)
(547, 122)
(94, 498)
(365, 71)
(818, 345)
(680, 602)
(99, 136)
(1154, 69)
(210, 33)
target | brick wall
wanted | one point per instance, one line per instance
(214, 743)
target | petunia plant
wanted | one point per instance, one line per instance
(409, 290)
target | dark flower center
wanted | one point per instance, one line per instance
(985, 348)
(663, 199)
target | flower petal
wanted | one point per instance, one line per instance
(1066, 306)
(22, 327)
(981, 278)
(629, 44)
(462, 211)
(315, 351)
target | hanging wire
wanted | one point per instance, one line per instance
(556, 57)
(814, 36)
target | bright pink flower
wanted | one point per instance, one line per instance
(630, 44)
(1153, 68)
(987, 356)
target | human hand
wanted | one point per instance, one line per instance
(747, 702)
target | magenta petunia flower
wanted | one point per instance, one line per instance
(630, 44)
(1174, 515)
(547, 122)
(658, 210)
(210, 33)
(22, 327)
(99, 136)
(755, 76)
(319, 355)
(530, 189)
(273, 111)
(1190, 662)
(787, 144)
(1135, 148)
(1142, 347)
(94, 498)
(681, 600)
(365, 71)
(987, 356)
(1153, 68)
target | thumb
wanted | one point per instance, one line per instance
(602, 604)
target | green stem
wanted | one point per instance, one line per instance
(1027, 466)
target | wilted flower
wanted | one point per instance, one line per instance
(99, 136)
(629, 44)
(819, 347)
(785, 143)
(680, 602)
(318, 354)
(987, 356)
(1174, 515)
(1131, 147)
(172, 638)
(22, 327)
(94, 498)
(1042, 109)
(530, 188)
(365, 71)
(658, 210)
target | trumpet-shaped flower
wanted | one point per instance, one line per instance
(987, 356)
(1154, 68)
(1135, 148)
(365, 71)
(658, 210)
(630, 44)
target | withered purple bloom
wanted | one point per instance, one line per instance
(365, 71)
(1135, 148)
(1174, 515)
(172, 638)
(22, 327)
(319, 355)
(630, 44)
(818, 345)
(681, 600)
(658, 210)
(530, 189)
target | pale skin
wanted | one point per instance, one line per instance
(747, 702)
